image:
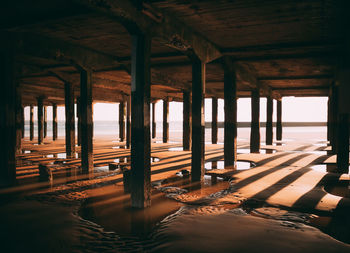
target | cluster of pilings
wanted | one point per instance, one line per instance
(135, 110)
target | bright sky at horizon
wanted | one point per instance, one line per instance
(308, 109)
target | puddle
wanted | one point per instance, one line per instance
(340, 188)
(330, 167)
(176, 149)
(241, 165)
(262, 151)
(111, 208)
(64, 155)
(119, 147)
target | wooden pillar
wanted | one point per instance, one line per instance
(70, 122)
(154, 125)
(165, 120)
(255, 124)
(87, 162)
(18, 120)
(230, 110)
(187, 118)
(198, 124)
(269, 116)
(31, 122)
(343, 144)
(121, 121)
(214, 120)
(54, 121)
(22, 121)
(334, 119)
(79, 120)
(140, 121)
(8, 98)
(40, 120)
(45, 121)
(128, 122)
(279, 121)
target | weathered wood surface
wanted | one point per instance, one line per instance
(70, 119)
(140, 123)
(255, 122)
(269, 118)
(198, 125)
(187, 121)
(165, 120)
(214, 120)
(86, 121)
(230, 110)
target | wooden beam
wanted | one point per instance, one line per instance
(31, 122)
(187, 121)
(165, 120)
(269, 116)
(122, 111)
(214, 120)
(86, 121)
(279, 121)
(9, 83)
(140, 122)
(45, 121)
(198, 124)
(128, 122)
(79, 120)
(169, 30)
(40, 120)
(343, 144)
(70, 119)
(246, 76)
(54, 121)
(230, 110)
(255, 123)
(154, 126)
(56, 49)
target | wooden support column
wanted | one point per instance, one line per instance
(140, 121)
(214, 120)
(45, 121)
(79, 120)
(8, 99)
(40, 120)
(121, 121)
(165, 120)
(87, 162)
(31, 122)
(255, 124)
(269, 116)
(343, 144)
(70, 122)
(334, 119)
(154, 125)
(187, 118)
(198, 124)
(22, 122)
(54, 121)
(18, 121)
(128, 122)
(230, 110)
(279, 121)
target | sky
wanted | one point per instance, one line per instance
(308, 109)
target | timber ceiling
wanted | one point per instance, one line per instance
(287, 47)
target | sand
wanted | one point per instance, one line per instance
(269, 208)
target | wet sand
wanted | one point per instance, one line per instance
(279, 205)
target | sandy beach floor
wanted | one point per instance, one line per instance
(280, 201)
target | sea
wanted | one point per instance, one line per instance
(299, 131)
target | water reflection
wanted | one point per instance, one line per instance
(240, 165)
